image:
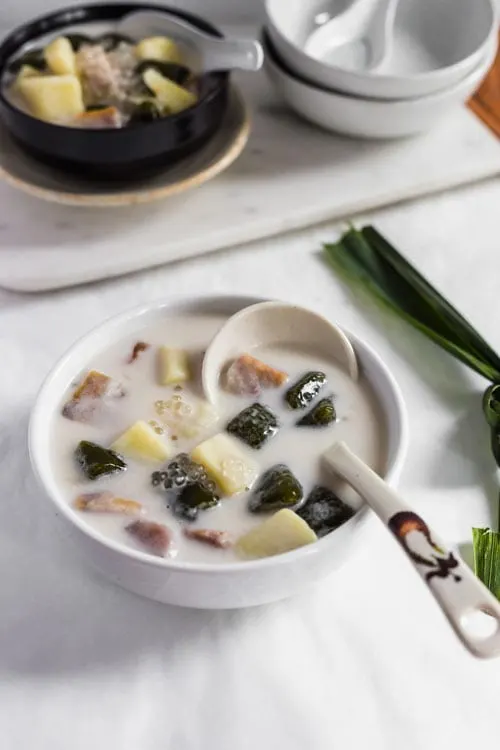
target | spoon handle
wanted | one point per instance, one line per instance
(216, 53)
(232, 54)
(457, 590)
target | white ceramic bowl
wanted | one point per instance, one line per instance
(369, 118)
(214, 586)
(437, 43)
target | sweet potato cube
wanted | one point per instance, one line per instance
(227, 463)
(282, 532)
(142, 443)
(52, 98)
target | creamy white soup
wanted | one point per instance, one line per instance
(126, 389)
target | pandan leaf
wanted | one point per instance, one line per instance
(367, 262)
(486, 544)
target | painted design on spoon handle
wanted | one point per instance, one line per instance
(441, 563)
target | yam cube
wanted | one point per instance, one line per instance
(212, 537)
(52, 98)
(226, 463)
(106, 502)
(155, 537)
(95, 384)
(246, 375)
(99, 119)
(158, 48)
(282, 532)
(142, 443)
(173, 366)
(95, 394)
(60, 57)
(173, 97)
(26, 71)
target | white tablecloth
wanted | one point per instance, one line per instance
(364, 659)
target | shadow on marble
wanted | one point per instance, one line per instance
(51, 225)
(270, 151)
(466, 551)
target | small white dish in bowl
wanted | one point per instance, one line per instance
(436, 44)
(369, 118)
(201, 584)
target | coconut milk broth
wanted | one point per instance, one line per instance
(359, 424)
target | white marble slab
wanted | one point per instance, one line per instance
(291, 175)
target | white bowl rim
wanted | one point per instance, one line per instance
(44, 475)
(273, 59)
(430, 75)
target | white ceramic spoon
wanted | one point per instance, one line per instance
(457, 590)
(274, 323)
(361, 37)
(213, 53)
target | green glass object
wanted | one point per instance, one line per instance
(254, 425)
(278, 488)
(323, 511)
(193, 498)
(305, 390)
(321, 415)
(96, 461)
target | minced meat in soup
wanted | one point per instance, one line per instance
(104, 82)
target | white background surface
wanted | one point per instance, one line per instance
(14, 11)
(362, 660)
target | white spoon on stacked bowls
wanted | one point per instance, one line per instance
(213, 54)
(360, 38)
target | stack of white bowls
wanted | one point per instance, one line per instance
(441, 50)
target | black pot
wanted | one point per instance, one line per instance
(126, 153)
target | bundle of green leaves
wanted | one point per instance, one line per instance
(366, 261)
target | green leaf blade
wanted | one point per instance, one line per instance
(361, 266)
(486, 544)
(458, 325)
